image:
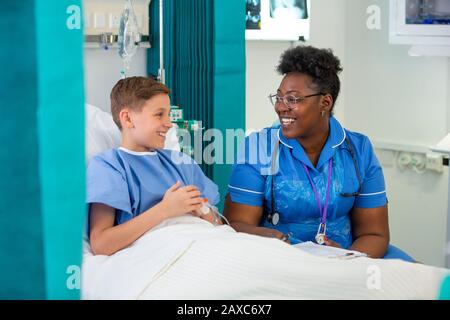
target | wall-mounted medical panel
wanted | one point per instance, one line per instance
(102, 19)
(277, 20)
(420, 22)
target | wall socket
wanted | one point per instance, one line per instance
(434, 162)
(99, 20)
(114, 20)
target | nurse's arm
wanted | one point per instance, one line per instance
(245, 218)
(370, 229)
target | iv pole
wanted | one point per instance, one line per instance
(161, 72)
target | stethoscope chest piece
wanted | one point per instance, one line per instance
(274, 218)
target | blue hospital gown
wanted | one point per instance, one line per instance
(132, 182)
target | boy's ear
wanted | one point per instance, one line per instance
(125, 118)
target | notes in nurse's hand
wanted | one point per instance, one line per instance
(328, 252)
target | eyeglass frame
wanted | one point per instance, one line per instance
(297, 99)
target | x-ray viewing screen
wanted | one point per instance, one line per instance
(277, 19)
(423, 12)
(288, 9)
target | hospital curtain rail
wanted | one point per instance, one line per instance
(204, 61)
(42, 184)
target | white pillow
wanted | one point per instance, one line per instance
(172, 142)
(103, 134)
(101, 131)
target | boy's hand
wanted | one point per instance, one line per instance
(178, 201)
(199, 212)
(210, 216)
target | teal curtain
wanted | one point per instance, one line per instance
(229, 77)
(21, 244)
(204, 59)
(445, 289)
(42, 130)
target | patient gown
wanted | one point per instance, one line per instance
(132, 182)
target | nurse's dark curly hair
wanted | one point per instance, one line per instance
(320, 64)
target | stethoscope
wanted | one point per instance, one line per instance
(274, 217)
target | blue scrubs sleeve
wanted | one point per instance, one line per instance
(247, 182)
(105, 184)
(373, 192)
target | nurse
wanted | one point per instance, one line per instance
(309, 179)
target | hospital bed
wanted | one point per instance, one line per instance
(189, 258)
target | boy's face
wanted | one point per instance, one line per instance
(151, 123)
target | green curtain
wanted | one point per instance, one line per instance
(204, 59)
(42, 128)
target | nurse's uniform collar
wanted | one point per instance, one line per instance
(335, 139)
(282, 139)
(137, 153)
(337, 135)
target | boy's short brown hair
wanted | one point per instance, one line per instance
(132, 92)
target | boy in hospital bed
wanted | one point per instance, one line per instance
(135, 187)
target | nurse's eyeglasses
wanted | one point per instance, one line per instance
(290, 101)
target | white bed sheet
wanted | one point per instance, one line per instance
(188, 258)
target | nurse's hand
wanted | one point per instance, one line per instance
(331, 243)
(272, 233)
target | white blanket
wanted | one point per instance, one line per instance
(188, 258)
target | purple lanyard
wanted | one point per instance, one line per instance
(323, 214)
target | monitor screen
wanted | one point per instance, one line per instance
(427, 12)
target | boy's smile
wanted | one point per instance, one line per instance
(163, 134)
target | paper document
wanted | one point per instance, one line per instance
(328, 252)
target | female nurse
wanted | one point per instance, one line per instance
(309, 179)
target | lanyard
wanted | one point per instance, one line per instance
(323, 213)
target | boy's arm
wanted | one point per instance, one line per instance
(107, 239)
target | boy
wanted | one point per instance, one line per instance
(135, 187)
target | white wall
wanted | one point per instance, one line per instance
(102, 71)
(394, 97)
(261, 81)
(388, 96)
(327, 30)
(448, 98)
